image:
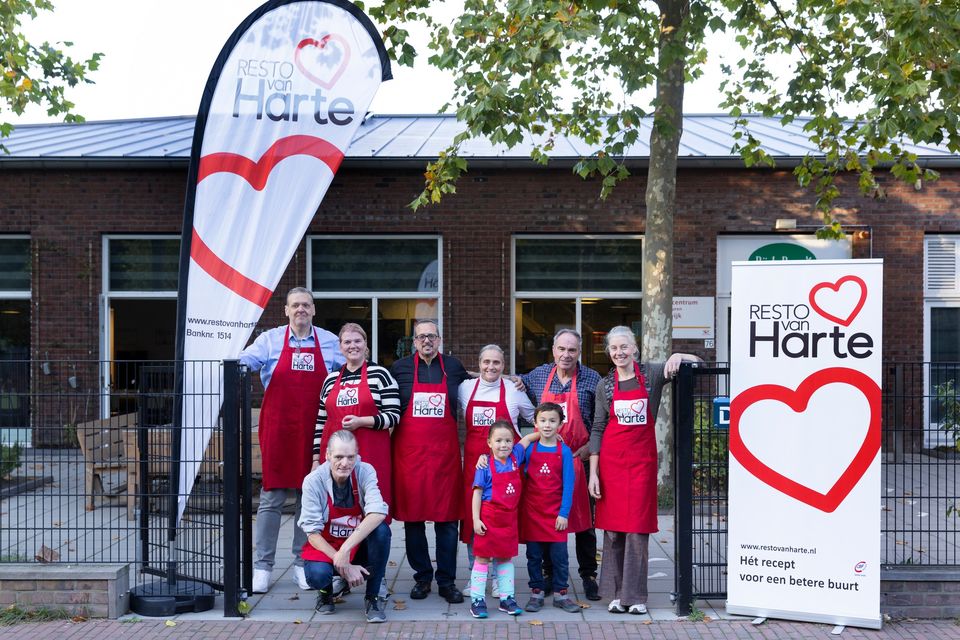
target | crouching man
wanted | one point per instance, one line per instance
(343, 516)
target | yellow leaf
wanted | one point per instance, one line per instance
(11, 74)
(536, 623)
(667, 29)
(298, 621)
(170, 623)
(26, 85)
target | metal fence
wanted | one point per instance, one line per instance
(89, 448)
(919, 474)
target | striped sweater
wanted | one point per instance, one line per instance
(385, 394)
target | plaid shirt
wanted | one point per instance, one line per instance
(587, 380)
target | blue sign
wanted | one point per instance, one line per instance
(721, 412)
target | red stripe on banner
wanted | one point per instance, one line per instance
(257, 173)
(226, 275)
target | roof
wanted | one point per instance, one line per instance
(402, 140)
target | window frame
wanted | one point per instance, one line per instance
(105, 266)
(19, 294)
(375, 296)
(934, 299)
(576, 296)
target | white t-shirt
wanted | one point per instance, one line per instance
(517, 402)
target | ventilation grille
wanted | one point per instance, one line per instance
(941, 265)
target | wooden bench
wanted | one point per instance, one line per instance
(104, 447)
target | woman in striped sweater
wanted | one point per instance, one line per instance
(361, 397)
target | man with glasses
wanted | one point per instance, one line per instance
(426, 460)
(572, 386)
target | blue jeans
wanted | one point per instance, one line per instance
(558, 555)
(418, 554)
(372, 554)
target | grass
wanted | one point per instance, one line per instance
(696, 615)
(14, 614)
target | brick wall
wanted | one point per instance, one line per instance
(68, 212)
(920, 593)
(94, 591)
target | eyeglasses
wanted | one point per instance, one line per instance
(426, 336)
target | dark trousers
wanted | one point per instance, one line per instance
(586, 545)
(418, 553)
(557, 552)
(371, 554)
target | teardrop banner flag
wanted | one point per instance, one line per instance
(805, 417)
(282, 104)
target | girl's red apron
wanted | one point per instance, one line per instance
(426, 455)
(479, 415)
(628, 464)
(372, 445)
(341, 523)
(499, 514)
(542, 494)
(288, 416)
(574, 434)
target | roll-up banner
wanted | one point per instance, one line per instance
(282, 104)
(804, 492)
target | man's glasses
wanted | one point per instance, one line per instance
(426, 336)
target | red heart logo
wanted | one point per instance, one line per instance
(488, 413)
(825, 290)
(638, 407)
(436, 399)
(797, 401)
(351, 393)
(322, 44)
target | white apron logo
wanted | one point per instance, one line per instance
(429, 405)
(302, 362)
(344, 526)
(510, 490)
(484, 416)
(545, 469)
(631, 412)
(347, 397)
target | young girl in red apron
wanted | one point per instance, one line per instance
(546, 508)
(496, 497)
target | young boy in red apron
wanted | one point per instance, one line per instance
(496, 497)
(547, 499)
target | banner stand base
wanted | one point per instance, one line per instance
(159, 599)
(801, 616)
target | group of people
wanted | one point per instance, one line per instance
(358, 444)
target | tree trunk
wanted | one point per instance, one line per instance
(661, 205)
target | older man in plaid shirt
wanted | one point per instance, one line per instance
(557, 381)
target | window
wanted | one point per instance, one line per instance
(383, 283)
(143, 264)
(941, 329)
(14, 339)
(587, 283)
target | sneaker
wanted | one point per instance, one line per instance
(478, 608)
(261, 580)
(340, 587)
(509, 606)
(373, 607)
(638, 609)
(324, 604)
(466, 589)
(535, 603)
(562, 601)
(616, 607)
(300, 577)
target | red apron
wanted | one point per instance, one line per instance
(288, 417)
(574, 434)
(499, 514)
(372, 445)
(628, 464)
(542, 495)
(426, 455)
(479, 415)
(341, 523)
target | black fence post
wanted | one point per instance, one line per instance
(683, 414)
(246, 506)
(231, 488)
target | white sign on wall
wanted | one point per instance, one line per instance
(693, 318)
(804, 483)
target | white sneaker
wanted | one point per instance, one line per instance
(300, 577)
(261, 580)
(466, 589)
(638, 609)
(616, 607)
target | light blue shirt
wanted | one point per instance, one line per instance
(264, 353)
